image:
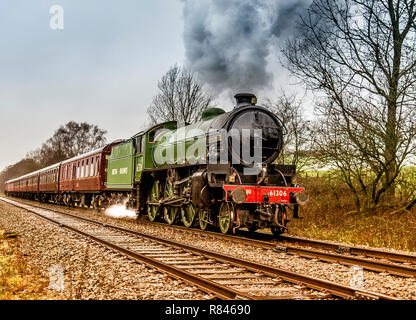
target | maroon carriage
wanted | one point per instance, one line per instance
(48, 182)
(82, 178)
(26, 186)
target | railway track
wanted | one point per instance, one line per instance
(347, 255)
(223, 276)
(383, 261)
(353, 250)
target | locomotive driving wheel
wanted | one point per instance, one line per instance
(152, 207)
(170, 213)
(226, 218)
(188, 215)
(203, 215)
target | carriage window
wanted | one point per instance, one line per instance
(78, 170)
(87, 169)
(92, 167)
(97, 164)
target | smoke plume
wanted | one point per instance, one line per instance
(228, 42)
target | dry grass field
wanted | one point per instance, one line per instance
(330, 215)
(17, 280)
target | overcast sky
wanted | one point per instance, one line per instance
(102, 68)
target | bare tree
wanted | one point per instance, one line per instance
(69, 141)
(361, 54)
(181, 97)
(18, 169)
(297, 142)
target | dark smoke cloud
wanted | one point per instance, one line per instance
(228, 42)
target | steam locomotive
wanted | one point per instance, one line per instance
(216, 172)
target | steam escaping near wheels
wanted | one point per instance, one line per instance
(120, 211)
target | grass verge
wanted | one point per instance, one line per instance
(17, 280)
(330, 215)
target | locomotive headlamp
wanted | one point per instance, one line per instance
(302, 198)
(254, 100)
(239, 195)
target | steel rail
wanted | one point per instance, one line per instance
(369, 252)
(335, 289)
(344, 248)
(205, 285)
(350, 260)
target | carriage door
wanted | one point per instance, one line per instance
(139, 159)
(74, 175)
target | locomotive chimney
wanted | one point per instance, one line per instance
(245, 99)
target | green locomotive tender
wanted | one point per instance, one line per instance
(215, 172)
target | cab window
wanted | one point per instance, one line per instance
(155, 133)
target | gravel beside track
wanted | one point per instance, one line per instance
(372, 281)
(90, 271)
